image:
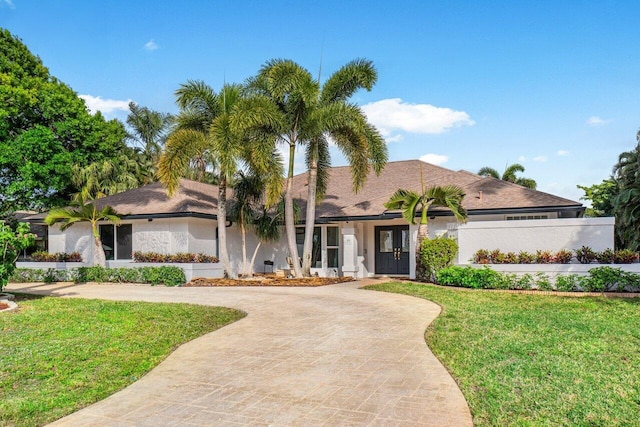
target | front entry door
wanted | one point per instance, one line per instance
(392, 249)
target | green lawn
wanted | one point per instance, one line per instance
(538, 360)
(59, 355)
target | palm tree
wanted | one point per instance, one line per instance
(149, 129)
(411, 202)
(248, 190)
(105, 178)
(509, 175)
(206, 124)
(311, 116)
(626, 204)
(85, 210)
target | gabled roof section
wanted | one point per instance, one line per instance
(482, 193)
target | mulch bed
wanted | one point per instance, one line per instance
(270, 281)
(3, 305)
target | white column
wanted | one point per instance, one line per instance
(349, 251)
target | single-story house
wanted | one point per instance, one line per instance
(355, 234)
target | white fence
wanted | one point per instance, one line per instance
(532, 235)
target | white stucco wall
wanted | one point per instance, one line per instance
(532, 235)
(77, 238)
(202, 236)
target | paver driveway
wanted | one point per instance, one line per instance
(333, 355)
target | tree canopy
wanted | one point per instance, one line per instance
(45, 129)
(509, 175)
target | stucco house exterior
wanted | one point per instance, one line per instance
(355, 235)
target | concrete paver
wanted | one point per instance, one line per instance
(332, 355)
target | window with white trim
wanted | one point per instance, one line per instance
(333, 244)
(116, 241)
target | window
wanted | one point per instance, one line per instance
(333, 242)
(116, 241)
(316, 261)
(523, 217)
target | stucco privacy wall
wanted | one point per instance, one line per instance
(531, 235)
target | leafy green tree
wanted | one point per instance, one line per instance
(509, 175)
(11, 244)
(626, 204)
(45, 129)
(85, 211)
(601, 197)
(411, 202)
(312, 115)
(207, 123)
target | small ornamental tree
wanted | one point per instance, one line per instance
(437, 254)
(11, 243)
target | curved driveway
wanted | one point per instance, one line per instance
(333, 355)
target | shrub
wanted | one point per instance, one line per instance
(436, 254)
(42, 256)
(563, 256)
(180, 257)
(542, 282)
(481, 256)
(625, 256)
(605, 257)
(11, 244)
(165, 275)
(475, 278)
(602, 279)
(511, 258)
(496, 257)
(544, 257)
(525, 257)
(568, 283)
(525, 281)
(585, 255)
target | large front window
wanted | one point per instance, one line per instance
(116, 241)
(326, 245)
(316, 261)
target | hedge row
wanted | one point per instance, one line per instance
(165, 275)
(42, 256)
(183, 257)
(600, 279)
(584, 255)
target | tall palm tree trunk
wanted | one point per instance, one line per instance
(222, 228)
(423, 233)
(289, 215)
(310, 219)
(243, 232)
(99, 259)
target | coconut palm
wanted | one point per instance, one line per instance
(149, 129)
(509, 175)
(85, 210)
(206, 124)
(312, 115)
(411, 202)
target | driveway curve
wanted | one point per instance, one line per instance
(333, 355)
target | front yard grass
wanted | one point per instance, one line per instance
(59, 355)
(537, 360)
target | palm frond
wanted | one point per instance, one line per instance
(182, 145)
(489, 171)
(355, 75)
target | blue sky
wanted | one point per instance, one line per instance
(553, 85)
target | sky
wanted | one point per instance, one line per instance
(552, 85)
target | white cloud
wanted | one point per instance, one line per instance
(540, 159)
(522, 159)
(8, 3)
(563, 152)
(435, 159)
(596, 121)
(105, 106)
(391, 115)
(150, 45)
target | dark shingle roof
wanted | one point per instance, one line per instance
(340, 200)
(195, 198)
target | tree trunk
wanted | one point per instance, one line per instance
(289, 217)
(253, 258)
(421, 270)
(99, 259)
(243, 232)
(222, 229)
(310, 219)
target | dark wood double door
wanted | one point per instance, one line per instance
(392, 249)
